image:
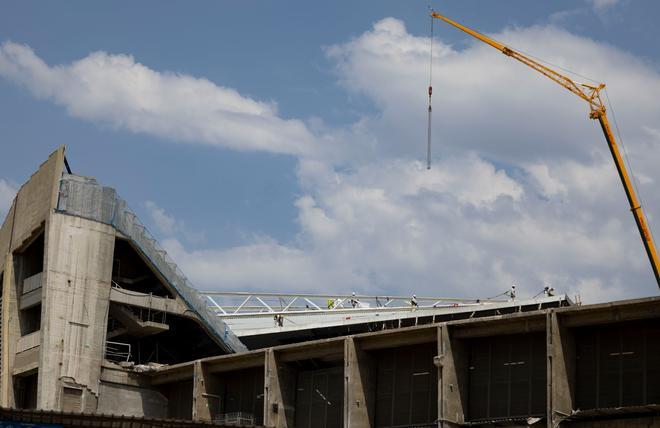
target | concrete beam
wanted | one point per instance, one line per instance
(360, 373)
(512, 324)
(326, 349)
(396, 338)
(233, 362)
(610, 313)
(171, 374)
(148, 301)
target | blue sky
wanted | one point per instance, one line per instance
(281, 149)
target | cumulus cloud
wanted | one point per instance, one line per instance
(486, 102)
(165, 223)
(262, 265)
(117, 90)
(7, 193)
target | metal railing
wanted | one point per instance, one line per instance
(117, 351)
(236, 418)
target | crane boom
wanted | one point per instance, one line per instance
(591, 94)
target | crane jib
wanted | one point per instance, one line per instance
(590, 94)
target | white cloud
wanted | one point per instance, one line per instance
(170, 227)
(165, 223)
(7, 193)
(603, 5)
(522, 189)
(262, 265)
(116, 90)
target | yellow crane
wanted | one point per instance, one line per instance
(591, 94)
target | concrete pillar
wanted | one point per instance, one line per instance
(360, 373)
(9, 332)
(280, 392)
(206, 397)
(74, 312)
(452, 361)
(561, 360)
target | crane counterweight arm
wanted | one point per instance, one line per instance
(591, 94)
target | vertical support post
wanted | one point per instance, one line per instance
(359, 386)
(452, 361)
(563, 359)
(280, 389)
(206, 398)
(5, 352)
(549, 367)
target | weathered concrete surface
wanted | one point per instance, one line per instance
(562, 359)
(359, 386)
(130, 400)
(134, 298)
(27, 217)
(75, 306)
(206, 398)
(280, 386)
(452, 363)
(10, 332)
(32, 204)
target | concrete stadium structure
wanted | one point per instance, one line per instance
(97, 320)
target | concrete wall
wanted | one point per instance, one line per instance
(117, 399)
(452, 339)
(74, 306)
(28, 215)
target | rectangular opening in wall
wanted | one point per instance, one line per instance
(618, 365)
(28, 274)
(507, 376)
(406, 386)
(142, 335)
(238, 397)
(25, 391)
(131, 272)
(179, 399)
(319, 396)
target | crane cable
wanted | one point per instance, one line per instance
(428, 143)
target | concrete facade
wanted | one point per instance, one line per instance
(360, 355)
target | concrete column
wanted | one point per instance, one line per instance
(10, 332)
(561, 360)
(206, 397)
(359, 386)
(280, 392)
(74, 312)
(452, 361)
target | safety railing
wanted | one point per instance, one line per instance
(237, 304)
(117, 351)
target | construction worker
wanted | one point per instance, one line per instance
(355, 302)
